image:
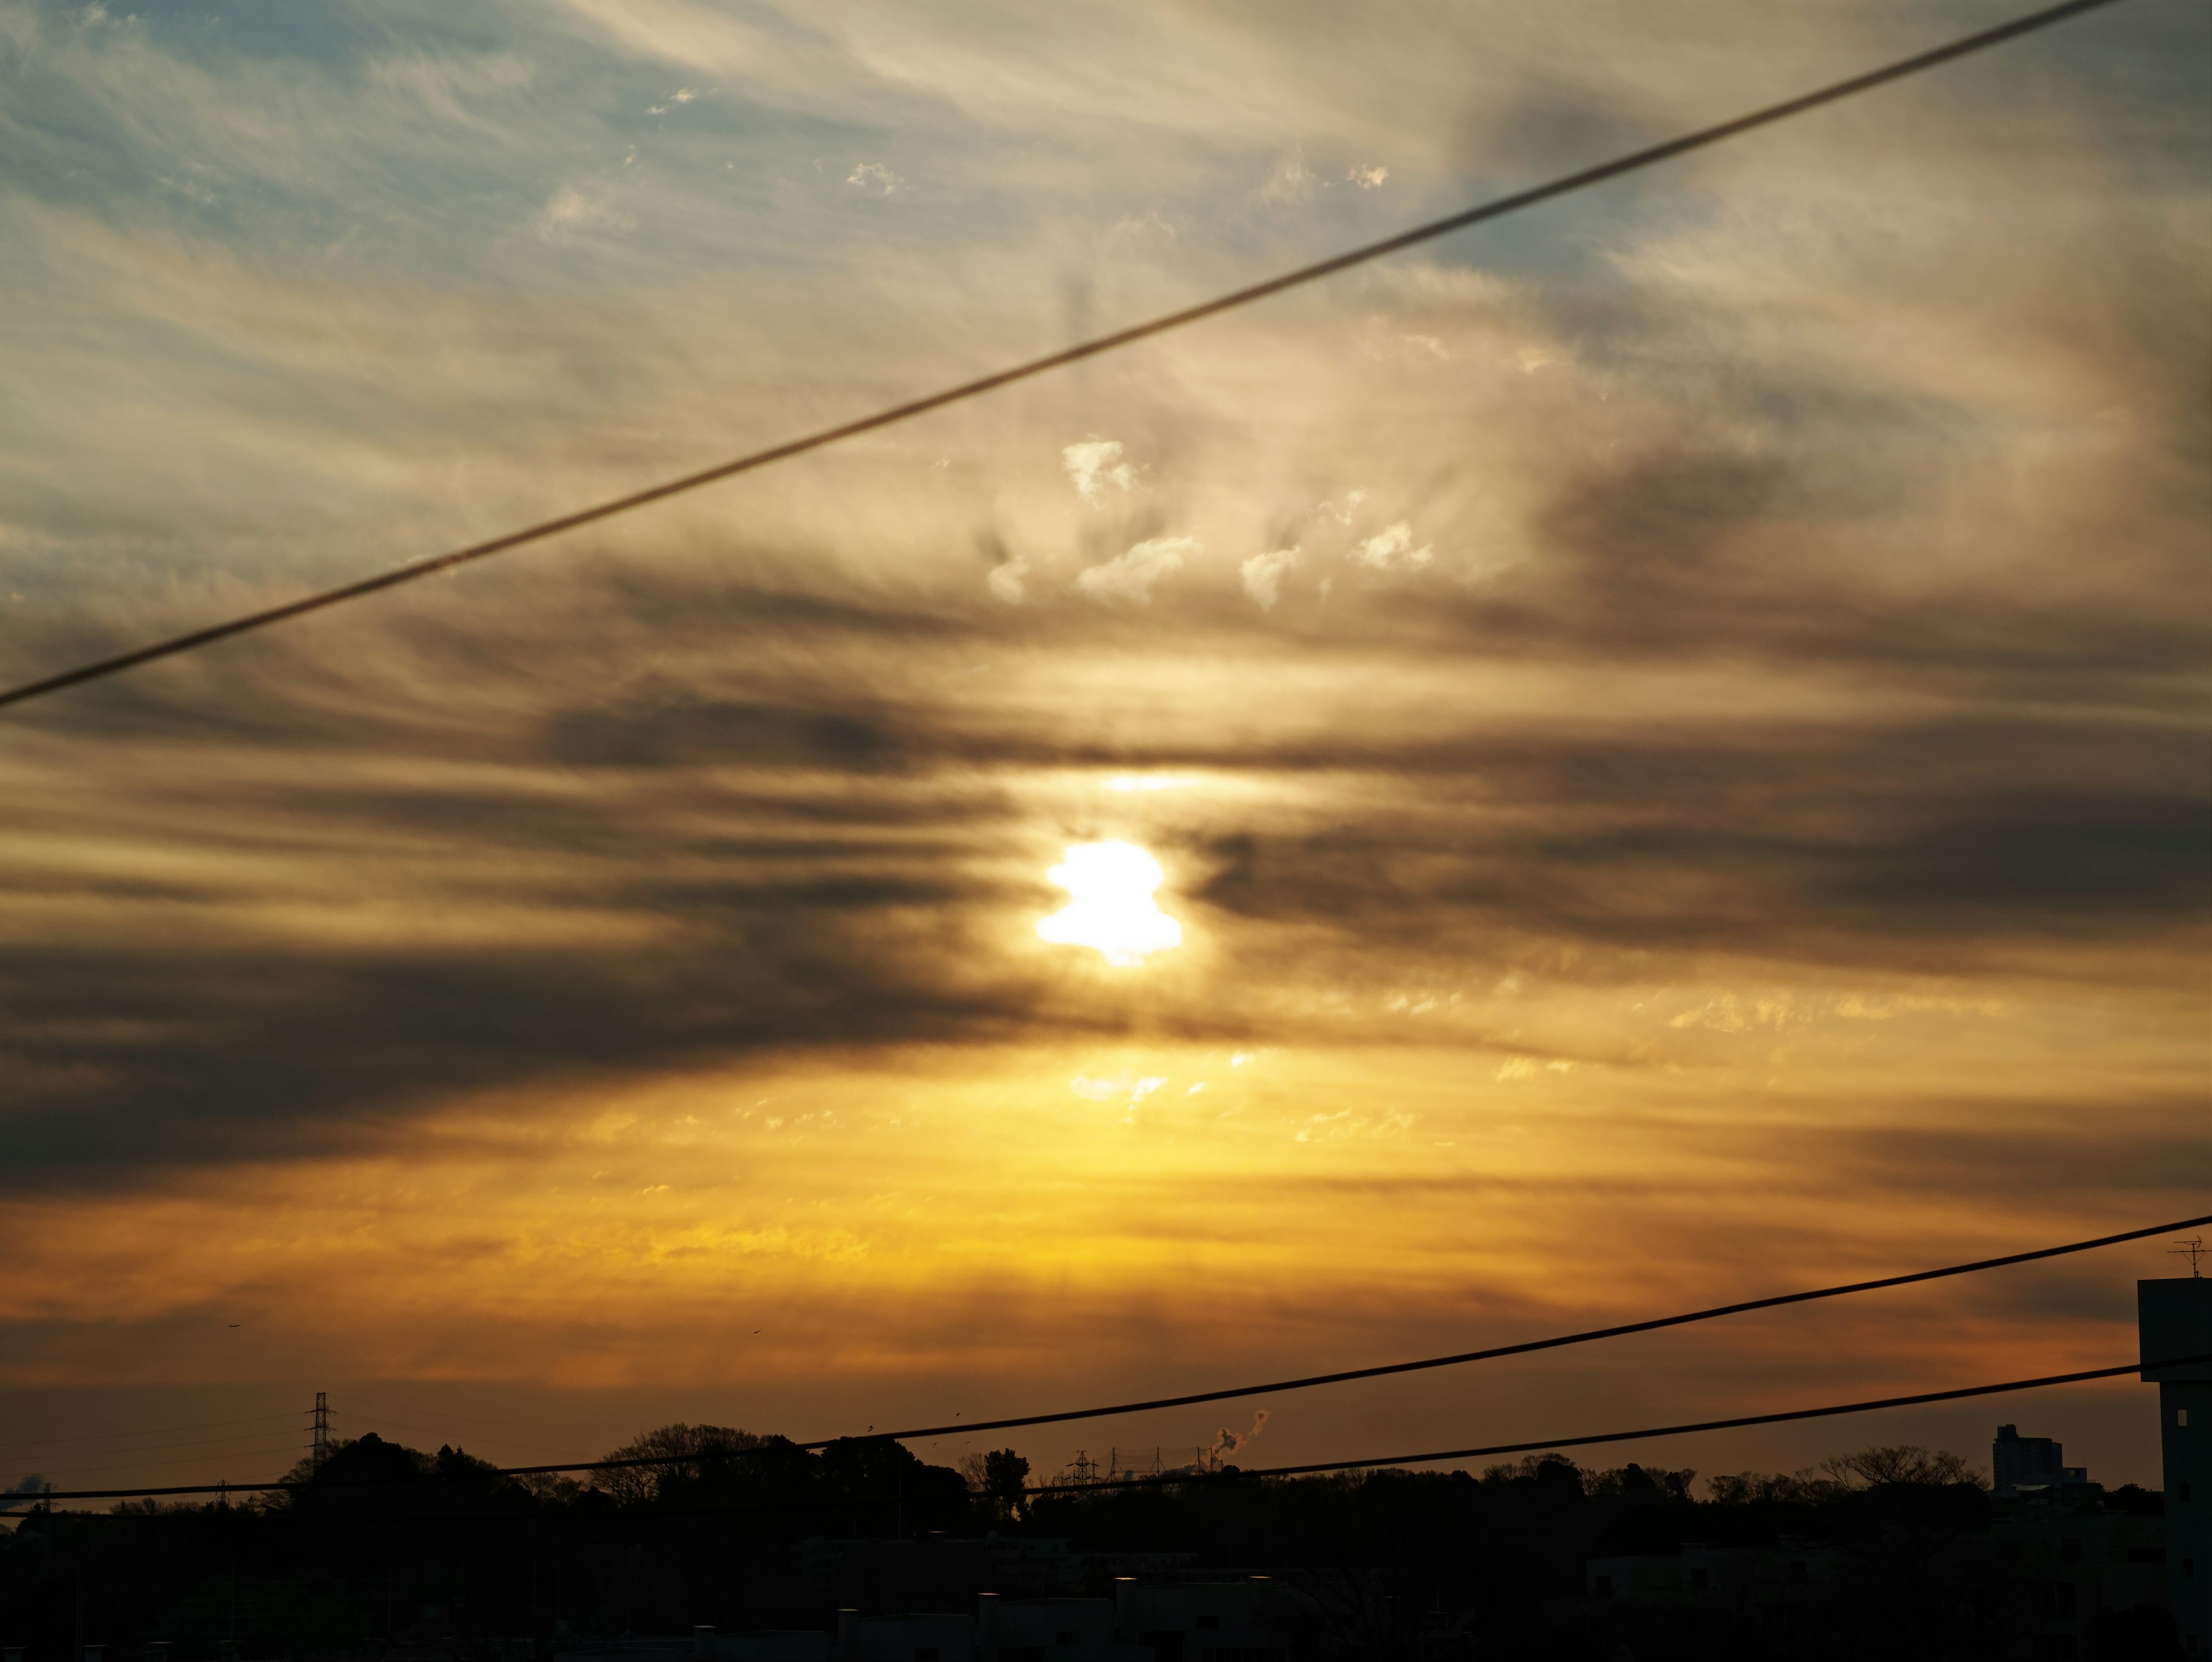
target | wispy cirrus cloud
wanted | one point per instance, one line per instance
(1735, 707)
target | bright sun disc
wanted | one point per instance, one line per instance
(1110, 908)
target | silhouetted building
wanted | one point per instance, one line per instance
(2083, 1569)
(764, 1645)
(2175, 1319)
(1027, 1566)
(2017, 1462)
(2031, 1468)
(919, 1637)
(1698, 1574)
(1247, 1620)
(1052, 1630)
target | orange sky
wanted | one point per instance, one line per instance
(1671, 729)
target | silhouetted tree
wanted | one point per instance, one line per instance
(1005, 1474)
(680, 1452)
(1901, 1463)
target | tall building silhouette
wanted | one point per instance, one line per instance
(2017, 1462)
(2175, 1319)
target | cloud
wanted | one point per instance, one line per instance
(1833, 652)
(571, 209)
(1290, 182)
(1128, 579)
(1135, 1087)
(1263, 576)
(1393, 550)
(1367, 179)
(874, 177)
(1005, 581)
(1095, 465)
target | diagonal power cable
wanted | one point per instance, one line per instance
(1829, 1411)
(1586, 1440)
(1651, 1325)
(1523, 1348)
(1497, 208)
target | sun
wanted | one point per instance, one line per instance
(1111, 907)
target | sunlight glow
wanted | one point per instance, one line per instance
(1111, 909)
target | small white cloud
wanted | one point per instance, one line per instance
(1129, 577)
(682, 96)
(876, 177)
(1263, 576)
(1519, 1068)
(1533, 358)
(1342, 516)
(1141, 228)
(1389, 550)
(1105, 1090)
(1005, 581)
(570, 209)
(1291, 180)
(1367, 179)
(1096, 464)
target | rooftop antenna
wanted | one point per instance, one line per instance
(2193, 1249)
(321, 1451)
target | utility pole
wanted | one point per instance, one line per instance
(321, 1450)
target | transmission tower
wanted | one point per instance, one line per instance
(321, 1451)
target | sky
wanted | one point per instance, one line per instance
(1650, 753)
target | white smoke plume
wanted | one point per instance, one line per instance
(1229, 1442)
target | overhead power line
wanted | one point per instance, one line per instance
(1526, 1346)
(1497, 208)
(1587, 1439)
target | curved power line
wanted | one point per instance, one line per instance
(1828, 1411)
(1497, 208)
(1664, 1431)
(1384, 1370)
(1526, 1346)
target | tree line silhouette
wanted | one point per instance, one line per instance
(387, 1547)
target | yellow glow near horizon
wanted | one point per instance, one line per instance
(1110, 908)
